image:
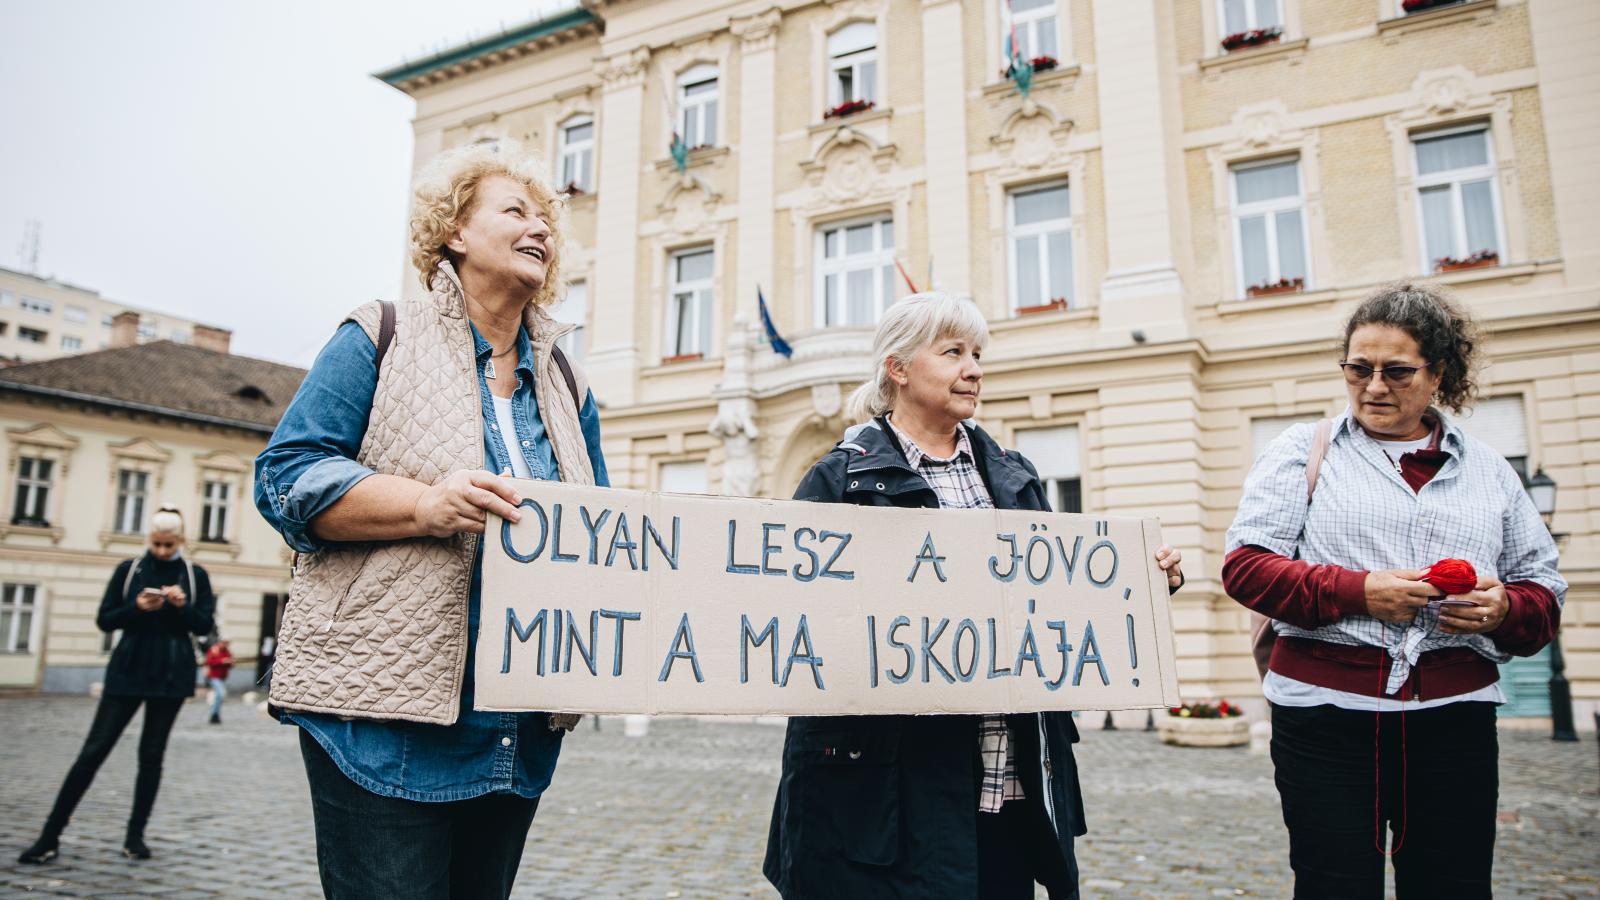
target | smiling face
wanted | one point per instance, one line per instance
(1386, 411)
(504, 243)
(940, 383)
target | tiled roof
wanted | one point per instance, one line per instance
(166, 378)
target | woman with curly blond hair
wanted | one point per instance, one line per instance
(380, 476)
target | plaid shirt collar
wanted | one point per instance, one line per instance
(1447, 436)
(915, 455)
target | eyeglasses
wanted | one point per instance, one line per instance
(1395, 376)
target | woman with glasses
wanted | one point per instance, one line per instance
(1383, 692)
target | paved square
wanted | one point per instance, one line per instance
(682, 813)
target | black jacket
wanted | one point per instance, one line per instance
(155, 657)
(892, 810)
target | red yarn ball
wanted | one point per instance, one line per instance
(1452, 576)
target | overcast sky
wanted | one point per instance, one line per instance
(234, 163)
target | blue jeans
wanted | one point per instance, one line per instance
(371, 846)
(219, 693)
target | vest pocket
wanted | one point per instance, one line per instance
(851, 796)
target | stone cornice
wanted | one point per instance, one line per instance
(513, 43)
(759, 32)
(623, 70)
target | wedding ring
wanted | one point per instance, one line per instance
(1485, 618)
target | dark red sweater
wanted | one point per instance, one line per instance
(1310, 596)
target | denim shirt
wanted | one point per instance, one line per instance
(309, 464)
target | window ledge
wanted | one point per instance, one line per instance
(216, 549)
(669, 367)
(1291, 51)
(852, 120)
(1062, 76)
(697, 157)
(107, 538)
(1391, 29)
(1503, 271)
(1276, 301)
(53, 532)
(1015, 322)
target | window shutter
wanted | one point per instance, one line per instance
(1500, 422)
(1053, 451)
(1265, 430)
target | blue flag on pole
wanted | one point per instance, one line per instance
(779, 345)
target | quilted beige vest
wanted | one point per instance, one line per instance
(379, 630)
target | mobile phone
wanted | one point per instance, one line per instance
(1455, 601)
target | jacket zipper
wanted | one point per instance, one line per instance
(1049, 792)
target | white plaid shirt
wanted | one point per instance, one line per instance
(958, 485)
(1364, 516)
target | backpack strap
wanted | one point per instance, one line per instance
(566, 373)
(1319, 449)
(385, 330)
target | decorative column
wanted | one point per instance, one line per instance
(735, 423)
(1141, 139)
(944, 118)
(757, 150)
(613, 359)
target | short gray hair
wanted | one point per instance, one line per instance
(908, 326)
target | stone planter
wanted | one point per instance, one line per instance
(1232, 732)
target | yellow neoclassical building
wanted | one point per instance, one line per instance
(1165, 232)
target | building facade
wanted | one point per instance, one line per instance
(43, 318)
(1165, 231)
(92, 445)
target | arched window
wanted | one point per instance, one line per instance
(697, 106)
(853, 64)
(575, 158)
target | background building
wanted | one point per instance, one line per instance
(42, 318)
(92, 445)
(1165, 233)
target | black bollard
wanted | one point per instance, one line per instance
(1109, 725)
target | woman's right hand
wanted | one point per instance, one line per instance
(149, 600)
(461, 501)
(1395, 595)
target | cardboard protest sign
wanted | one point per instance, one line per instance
(614, 601)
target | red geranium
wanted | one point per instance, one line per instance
(1452, 576)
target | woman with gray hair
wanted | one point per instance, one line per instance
(928, 806)
(159, 602)
(381, 475)
(1347, 536)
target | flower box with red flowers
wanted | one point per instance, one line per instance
(573, 190)
(1219, 724)
(1044, 63)
(1222, 709)
(1281, 286)
(1253, 38)
(848, 108)
(1054, 304)
(1476, 261)
(1416, 6)
(682, 358)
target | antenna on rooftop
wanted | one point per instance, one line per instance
(28, 247)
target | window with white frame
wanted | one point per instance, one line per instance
(687, 477)
(1040, 244)
(16, 617)
(1035, 24)
(1239, 16)
(34, 481)
(7, 298)
(576, 154)
(148, 331)
(689, 302)
(1269, 224)
(31, 335)
(1457, 200)
(697, 106)
(1055, 453)
(74, 313)
(1502, 423)
(132, 490)
(216, 505)
(573, 310)
(37, 305)
(855, 272)
(71, 342)
(853, 64)
(1265, 429)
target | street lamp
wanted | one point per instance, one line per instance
(1542, 491)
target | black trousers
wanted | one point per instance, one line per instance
(1435, 781)
(371, 846)
(1017, 847)
(110, 718)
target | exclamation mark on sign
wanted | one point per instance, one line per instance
(1133, 649)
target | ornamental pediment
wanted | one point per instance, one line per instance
(142, 449)
(850, 165)
(42, 435)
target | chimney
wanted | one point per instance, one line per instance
(125, 329)
(207, 337)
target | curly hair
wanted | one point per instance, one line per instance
(1447, 336)
(447, 191)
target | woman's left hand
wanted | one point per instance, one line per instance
(1489, 609)
(1171, 562)
(174, 595)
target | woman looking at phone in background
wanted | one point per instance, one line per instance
(158, 602)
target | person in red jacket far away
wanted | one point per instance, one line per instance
(1396, 583)
(219, 662)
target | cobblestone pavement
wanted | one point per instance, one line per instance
(682, 813)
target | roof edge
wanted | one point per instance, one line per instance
(97, 400)
(398, 76)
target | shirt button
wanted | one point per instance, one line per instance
(855, 754)
(494, 426)
(525, 443)
(505, 742)
(283, 498)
